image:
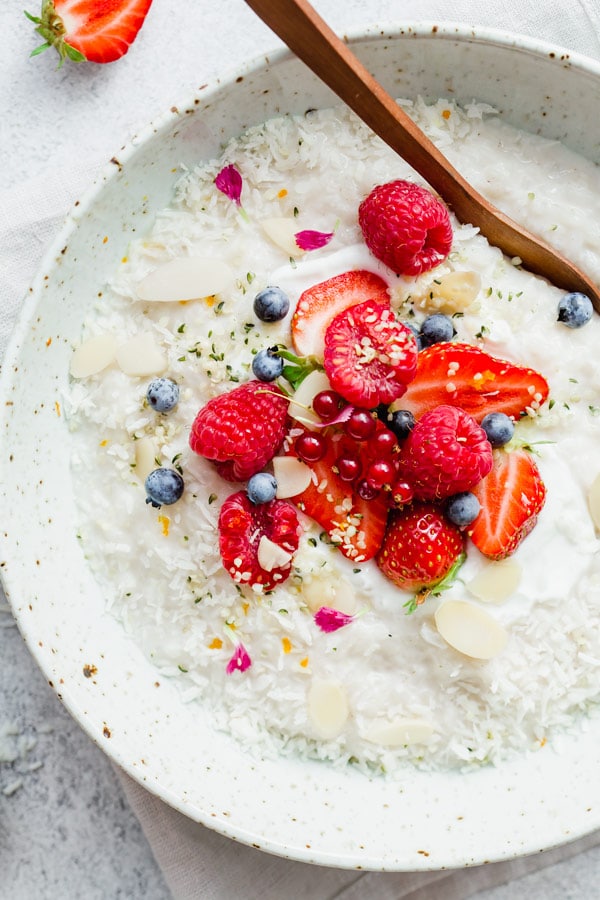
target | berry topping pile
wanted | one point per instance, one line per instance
(395, 436)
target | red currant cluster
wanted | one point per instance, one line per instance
(367, 461)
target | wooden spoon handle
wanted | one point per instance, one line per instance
(298, 24)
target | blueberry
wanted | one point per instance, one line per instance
(401, 423)
(163, 487)
(162, 394)
(435, 329)
(267, 365)
(271, 304)
(261, 488)
(575, 310)
(462, 509)
(415, 331)
(499, 428)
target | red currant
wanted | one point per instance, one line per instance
(385, 443)
(327, 404)
(380, 472)
(348, 467)
(401, 493)
(361, 425)
(366, 490)
(310, 447)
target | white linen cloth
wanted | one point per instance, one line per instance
(196, 862)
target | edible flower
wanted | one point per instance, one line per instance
(229, 182)
(312, 240)
(240, 661)
(329, 619)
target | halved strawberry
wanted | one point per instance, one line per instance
(319, 304)
(354, 524)
(421, 548)
(257, 542)
(370, 356)
(462, 375)
(511, 497)
(99, 31)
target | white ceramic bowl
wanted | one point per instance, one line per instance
(306, 811)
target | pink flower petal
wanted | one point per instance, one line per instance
(343, 416)
(240, 661)
(229, 182)
(331, 619)
(312, 240)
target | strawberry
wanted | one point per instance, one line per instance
(240, 431)
(511, 497)
(446, 453)
(369, 355)
(99, 31)
(463, 375)
(405, 227)
(420, 549)
(356, 525)
(242, 528)
(319, 304)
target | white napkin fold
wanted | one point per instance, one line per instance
(196, 862)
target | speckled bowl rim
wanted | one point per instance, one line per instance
(553, 836)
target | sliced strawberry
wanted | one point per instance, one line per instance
(99, 31)
(370, 356)
(354, 524)
(319, 304)
(511, 497)
(463, 375)
(421, 547)
(244, 528)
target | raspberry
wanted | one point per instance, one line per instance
(242, 527)
(405, 227)
(370, 356)
(242, 430)
(446, 453)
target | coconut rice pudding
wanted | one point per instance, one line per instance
(353, 512)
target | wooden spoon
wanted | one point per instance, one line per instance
(311, 39)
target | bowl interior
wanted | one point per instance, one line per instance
(307, 811)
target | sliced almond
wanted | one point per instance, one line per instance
(497, 581)
(271, 556)
(93, 356)
(292, 476)
(594, 501)
(146, 451)
(470, 629)
(329, 590)
(187, 278)
(281, 231)
(399, 733)
(300, 407)
(456, 291)
(327, 707)
(141, 356)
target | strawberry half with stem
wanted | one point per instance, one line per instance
(355, 525)
(421, 551)
(257, 542)
(464, 375)
(511, 497)
(370, 356)
(320, 303)
(99, 31)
